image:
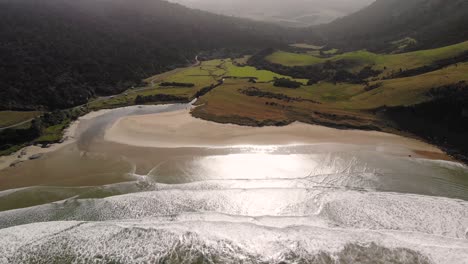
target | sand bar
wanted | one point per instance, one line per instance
(179, 129)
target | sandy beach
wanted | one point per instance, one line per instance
(179, 129)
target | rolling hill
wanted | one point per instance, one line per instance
(386, 63)
(399, 25)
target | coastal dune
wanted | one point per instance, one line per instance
(179, 129)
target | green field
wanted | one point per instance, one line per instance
(408, 91)
(385, 62)
(306, 46)
(201, 76)
(210, 72)
(393, 92)
(343, 98)
(331, 52)
(248, 71)
(359, 58)
(9, 118)
(293, 59)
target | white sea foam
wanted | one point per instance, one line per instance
(151, 240)
(336, 207)
(325, 218)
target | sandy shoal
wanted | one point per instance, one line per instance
(179, 129)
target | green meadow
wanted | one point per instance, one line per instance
(10, 118)
(360, 59)
(293, 59)
(226, 99)
(306, 46)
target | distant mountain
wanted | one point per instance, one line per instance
(298, 13)
(59, 53)
(400, 24)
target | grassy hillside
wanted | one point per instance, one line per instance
(9, 118)
(408, 91)
(384, 62)
(248, 72)
(340, 96)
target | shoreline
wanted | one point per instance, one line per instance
(180, 129)
(131, 131)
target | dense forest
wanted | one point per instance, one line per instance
(401, 25)
(443, 120)
(59, 53)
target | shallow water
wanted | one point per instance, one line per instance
(100, 202)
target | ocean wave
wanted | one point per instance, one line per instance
(150, 241)
(338, 208)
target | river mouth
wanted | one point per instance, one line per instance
(102, 200)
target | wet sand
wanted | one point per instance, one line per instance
(179, 129)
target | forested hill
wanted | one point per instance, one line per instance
(417, 24)
(59, 53)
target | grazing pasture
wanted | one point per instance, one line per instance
(10, 118)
